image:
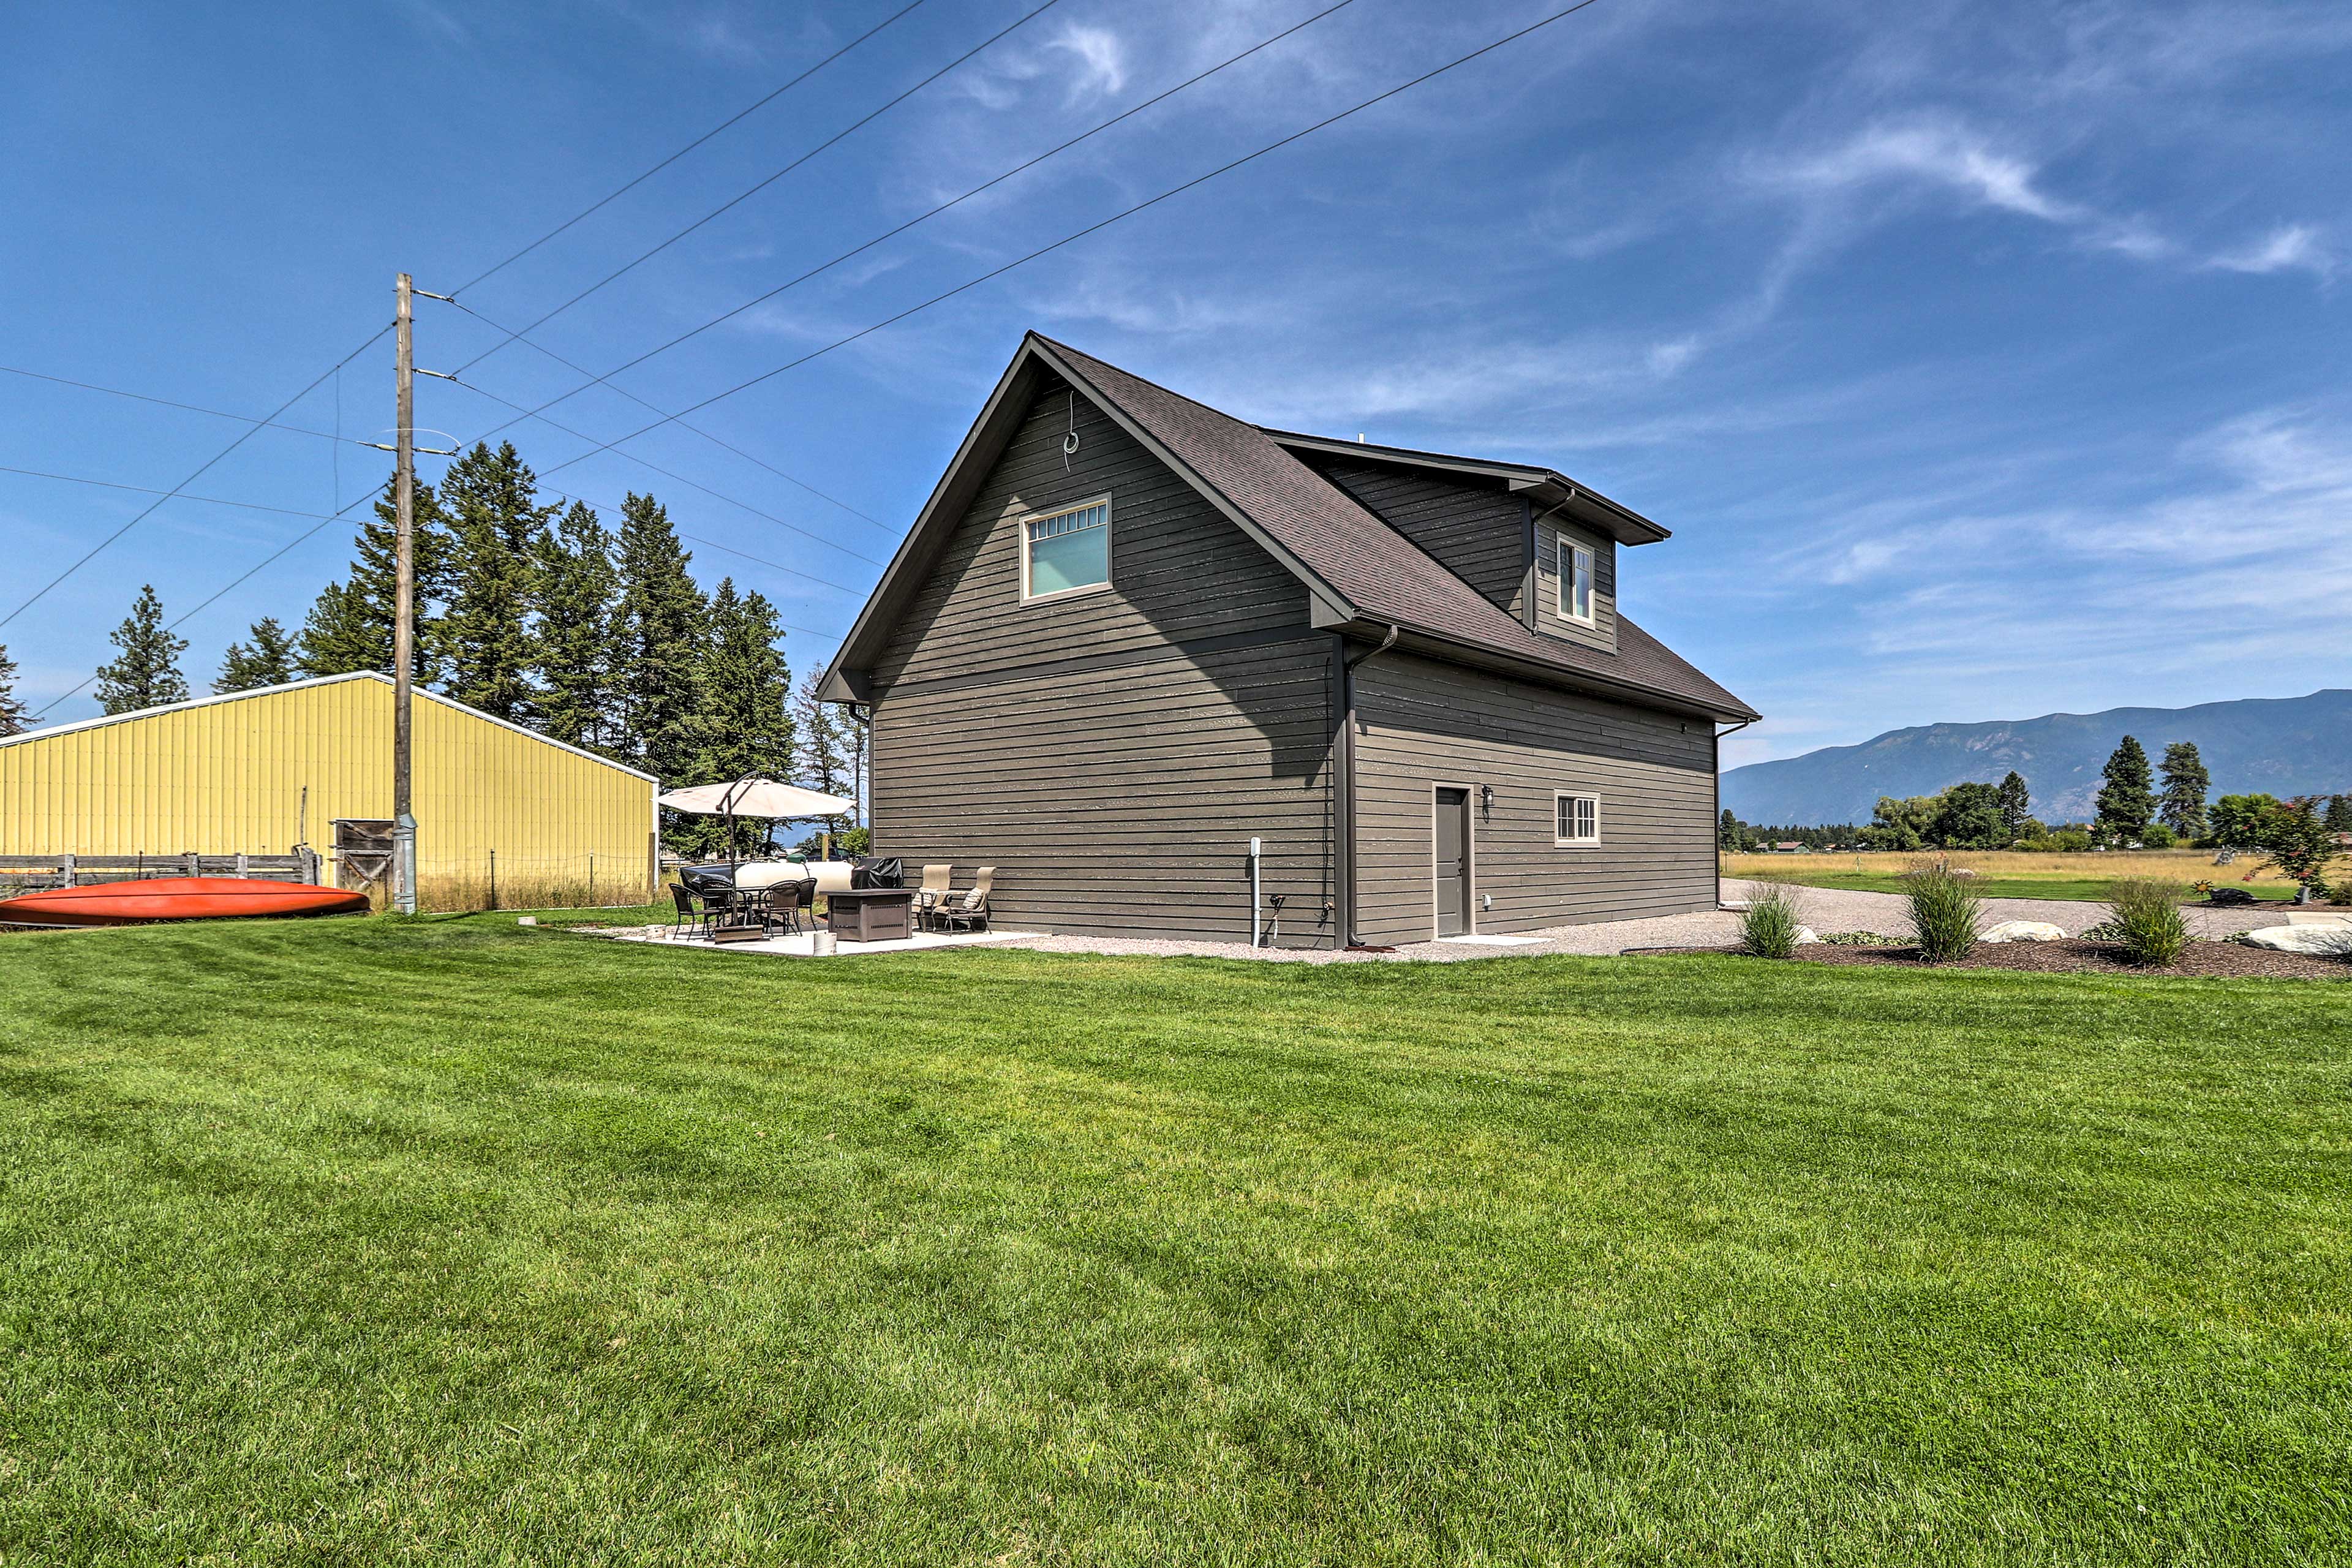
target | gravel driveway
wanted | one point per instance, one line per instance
(1824, 910)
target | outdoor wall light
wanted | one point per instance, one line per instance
(1486, 797)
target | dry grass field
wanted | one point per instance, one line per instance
(2011, 874)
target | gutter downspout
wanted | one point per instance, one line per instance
(1347, 856)
(1714, 823)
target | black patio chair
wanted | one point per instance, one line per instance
(776, 905)
(688, 917)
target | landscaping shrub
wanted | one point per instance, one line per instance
(1946, 912)
(2145, 918)
(1862, 939)
(1768, 926)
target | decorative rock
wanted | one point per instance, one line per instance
(2323, 942)
(1806, 934)
(2023, 931)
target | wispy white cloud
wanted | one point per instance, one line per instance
(1101, 61)
(2288, 248)
(1935, 151)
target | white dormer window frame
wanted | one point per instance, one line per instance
(1574, 572)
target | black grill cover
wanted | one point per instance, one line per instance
(707, 880)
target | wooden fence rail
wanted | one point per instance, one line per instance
(27, 873)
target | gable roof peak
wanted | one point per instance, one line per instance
(1357, 568)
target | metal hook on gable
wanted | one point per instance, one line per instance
(1070, 441)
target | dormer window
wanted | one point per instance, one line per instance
(1575, 580)
(1067, 551)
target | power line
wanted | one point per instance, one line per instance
(731, 550)
(517, 255)
(150, 490)
(1022, 21)
(320, 526)
(1080, 234)
(607, 201)
(225, 589)
(681, 478)
(269, 421)
(606, 379)
(241, 439)
(697, 429)
(196, 407)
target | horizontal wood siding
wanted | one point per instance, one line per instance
(1121, 800)
(1180, 570)
(1602, 631)
(1109, 754)
(1421, 724)
(1478, 533)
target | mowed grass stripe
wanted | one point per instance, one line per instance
(366, 1240)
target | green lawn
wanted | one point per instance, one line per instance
(450, 1242)
(1994, 884)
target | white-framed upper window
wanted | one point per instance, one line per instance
(1067, 551)
(1575, 818)
(1575, 580)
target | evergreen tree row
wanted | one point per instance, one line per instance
(543, 616)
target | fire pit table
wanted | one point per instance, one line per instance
(871, 914)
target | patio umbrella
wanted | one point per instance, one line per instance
(754, 797)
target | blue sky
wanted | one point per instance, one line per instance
(1987, 360)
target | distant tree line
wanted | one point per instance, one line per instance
(540, 615)
(2133, 807)
(1734, 835)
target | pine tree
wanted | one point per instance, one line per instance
(2128, 797)
(2186, 784)
(823, 745)
(268, 660)
(1728, 834)
(742, 720)
(572, 644)
(146, 674)
(496, 526)
(2016, 804)
(657, 642)
(2338, 820)
(14, 720)
(350, 624)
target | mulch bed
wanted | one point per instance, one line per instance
(2076, 956)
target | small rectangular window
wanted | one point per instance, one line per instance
(1577, 819)
(1575, 581)
(1065, 552)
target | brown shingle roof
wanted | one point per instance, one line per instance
(1382, 575)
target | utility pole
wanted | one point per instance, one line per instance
(403, 603)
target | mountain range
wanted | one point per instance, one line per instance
(2286, 745)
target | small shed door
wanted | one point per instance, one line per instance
(363, 852)
(1452, 829)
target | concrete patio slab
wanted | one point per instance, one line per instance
(803, 944)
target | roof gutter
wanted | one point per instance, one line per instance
(1593, 681)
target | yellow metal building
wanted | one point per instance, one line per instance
(261, 771)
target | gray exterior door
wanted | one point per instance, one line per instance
(1453, 831)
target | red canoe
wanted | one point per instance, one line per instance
(175, 898)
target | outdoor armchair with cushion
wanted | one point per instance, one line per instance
(932, 893)
(970, 910)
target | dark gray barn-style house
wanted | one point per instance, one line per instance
(1129, 634)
